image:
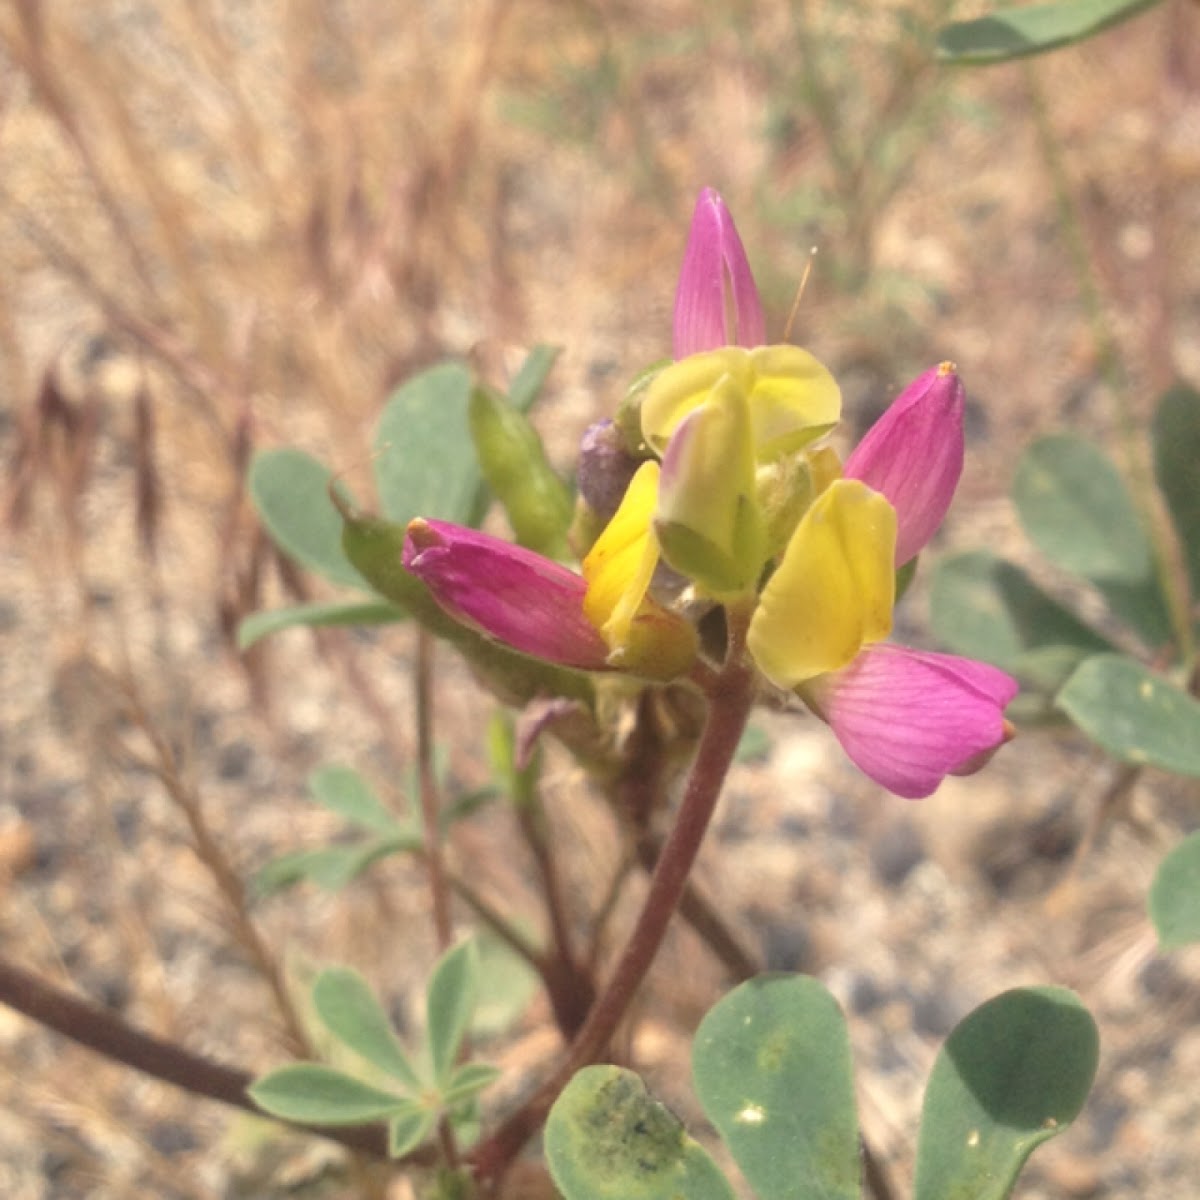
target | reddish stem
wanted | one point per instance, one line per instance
(730, 700)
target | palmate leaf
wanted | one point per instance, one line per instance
(449, 1002)
(346, 1005)
(342, 790)
(332, 867)
(318, 1095)
(1033, 29)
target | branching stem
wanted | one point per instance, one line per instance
(729, 706)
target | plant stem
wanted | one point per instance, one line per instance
(729, 707)
(438, 889)
(99, 1030)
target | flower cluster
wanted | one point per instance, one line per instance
(727, 497)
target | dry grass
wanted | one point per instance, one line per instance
(226, 226)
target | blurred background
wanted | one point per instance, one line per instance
(227, 226)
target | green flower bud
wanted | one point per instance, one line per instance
(513, 462)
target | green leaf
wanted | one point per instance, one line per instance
(290, 490)
(1016, 32)
(459, 807)
(344, 791)
(1137, 716)
(511, 984)
(531, 378)
(772, 1067)
(449, 1002)
(426, 465)
(1175, 895)
(317, 1095)
(345, 1003)
(331, 867)
(411, 1126)
(1012, 1075)
(1074, 506)
(987, 608)
(1176, 455)
(259, 625)
(606, 1139)
(467, 1081)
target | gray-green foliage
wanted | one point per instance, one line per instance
(772, 1069)
(422, 1085)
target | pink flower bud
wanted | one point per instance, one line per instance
(717, 302)
(914, 455)
(506, 592)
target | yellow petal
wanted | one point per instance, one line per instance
(833, 590)
(682, 387)
(794, 400)
(708, 521)
(619, 566)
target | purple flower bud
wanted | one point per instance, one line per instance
(604, 469)
(717, 303)
(913, 455)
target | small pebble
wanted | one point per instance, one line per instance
(895, 851)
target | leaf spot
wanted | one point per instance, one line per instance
(1146, 690)
(973, 1138)
(752, 1114)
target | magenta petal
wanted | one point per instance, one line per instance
(507, 592)
(914, 455)
(908, 719)
(716, 288)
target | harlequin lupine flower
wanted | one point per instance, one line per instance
(742, 486)
(905, 718)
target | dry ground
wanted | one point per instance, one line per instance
(236, 225)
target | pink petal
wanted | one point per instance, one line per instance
(716, 288)
(507, 592)
(908, 719)
(914, 455)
